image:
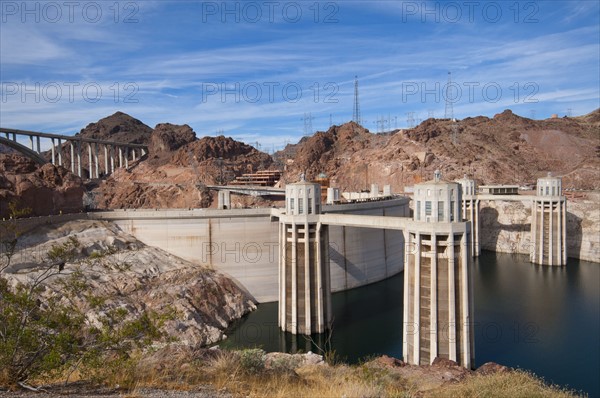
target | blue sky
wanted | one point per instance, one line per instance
(253, 69)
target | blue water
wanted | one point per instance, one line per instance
(540, 318)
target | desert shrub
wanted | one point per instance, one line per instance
(252, 360)
(285, 364)
(46, 332)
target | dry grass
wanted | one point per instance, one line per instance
(508, 385)
(243, 373)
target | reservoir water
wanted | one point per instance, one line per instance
(539, 318)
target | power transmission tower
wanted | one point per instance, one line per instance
(430, 114)
(418, 120)
(194, 163)
(449, 111)
(380, 124)
(330, 120)
(570, 112)
(308, 129)
(356, 111)
(532, 114)
(410, 119)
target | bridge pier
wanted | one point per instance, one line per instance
(53, 154)
(96, 166)
(72, 156)
(90, 166)
(438, 292)
(106, 159)
(79, 158)
(60, 162)
(548, 223)
(304, 279)
(111, 150)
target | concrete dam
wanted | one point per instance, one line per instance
(300, 254)
(244, 243)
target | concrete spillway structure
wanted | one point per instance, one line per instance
(438, 291)
(548, 223)
(470, 211)
(304, 277)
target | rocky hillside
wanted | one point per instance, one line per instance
(137, 277)
(118, 127)
(45, 190)
(176, 170)
(504, 149)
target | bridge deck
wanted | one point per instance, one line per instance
(70, 138)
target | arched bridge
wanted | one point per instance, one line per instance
(115, 154)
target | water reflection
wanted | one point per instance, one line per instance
(546, 319)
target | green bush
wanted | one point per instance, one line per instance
(44, 334)
(252, 361)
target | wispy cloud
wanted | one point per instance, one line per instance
(182, 70)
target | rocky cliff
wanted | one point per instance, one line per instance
(137, 277)
(45, 190)
(504, 149)
(176, 170)
(118, 127)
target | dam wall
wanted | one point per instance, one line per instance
(244, 243)
(359, 256)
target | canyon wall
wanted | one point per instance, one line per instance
(505, 227)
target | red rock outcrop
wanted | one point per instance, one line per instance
(119, 127)
(504, 149)
(45, 190)
(168, 137)
(175, 173)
